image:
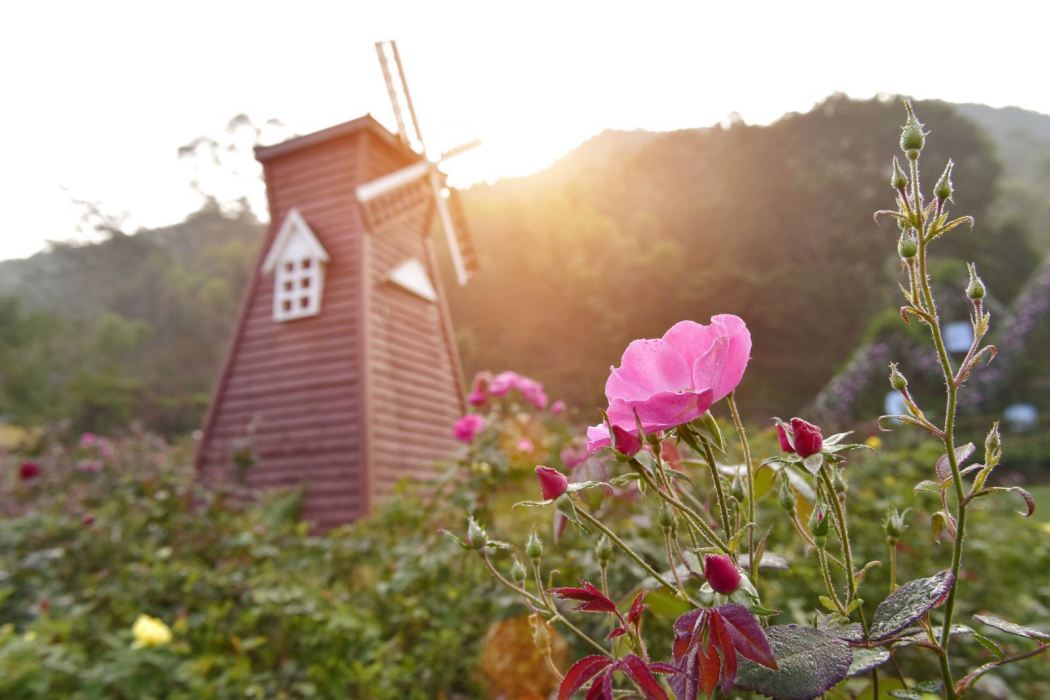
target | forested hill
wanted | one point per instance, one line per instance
(620, 238)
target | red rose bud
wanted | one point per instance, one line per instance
(28, 471)
(808, 439)
(721, 573)
(624, 442)
(782, 437)
(552, 482)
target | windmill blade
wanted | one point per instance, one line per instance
(397, 90)
(457, 235)
(393, 197)
(458, 150)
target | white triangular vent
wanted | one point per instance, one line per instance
(411, 276)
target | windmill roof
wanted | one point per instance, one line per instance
(364, 123)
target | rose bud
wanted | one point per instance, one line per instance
(552, 482)
(28, 471)
(808, 439)
(721, 573)
(783, 438)
(624, 442)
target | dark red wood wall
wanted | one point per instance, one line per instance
(349, 401)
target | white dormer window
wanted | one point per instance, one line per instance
(296, 260)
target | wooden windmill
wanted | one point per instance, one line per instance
(342, 374)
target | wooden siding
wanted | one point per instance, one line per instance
(299, 383)
(415, 387)
(364, 394)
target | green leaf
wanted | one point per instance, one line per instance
(813, 463)
(707, 426)
(1011, 628)
(867, 658)
(836, 438)
(989, 645)
(927, 486)
(828, 603)
(665, 603)
(908, 603)
(962, 453)
(810, 663)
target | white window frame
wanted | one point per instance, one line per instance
(297, 261)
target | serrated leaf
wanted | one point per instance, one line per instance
(582, 485)
(849, 631)
(921, 637)
(1012, 628)
(962, 453)
(928, 486)
(908, 603)
(810, 662)
(867, 658)
(828, 603)
(813, 463)
(989, 645)
(836, 438)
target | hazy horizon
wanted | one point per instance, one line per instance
(107, 96)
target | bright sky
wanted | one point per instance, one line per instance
(98, 96)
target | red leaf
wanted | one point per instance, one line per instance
(618, 632)
(747, 634)
(639, 671)
(661, 667)
(634, 616)
(595, 693)
(581, 672)
(707, 659)
(724, 642)
(592, 599)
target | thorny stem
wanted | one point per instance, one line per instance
(828, 583)
(948, 439)
(541, 603)
(892, 547)
(692, 517)
(631, 553)
(723, 508)
(840, 524)
(674, 566)
(749, 469)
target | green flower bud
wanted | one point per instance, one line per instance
(517, 572)
(894, 524)
(666, 518)
(943, 189)
(533, 547)
(993, 447)
(898, 180)
(907, 247)
(603, 550)
(897, 380)
(476, 535)
(819, 521)
(975, 289)
(912, 136)
(786, 497)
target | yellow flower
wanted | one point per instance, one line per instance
(874, 442)
(150, 632)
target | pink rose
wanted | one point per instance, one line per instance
(558, 408)
(468, 427)
(525, 445)
(673, 380)
(502, 383)
(552, 482)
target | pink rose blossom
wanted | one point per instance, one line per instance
(468, 427)
(558, 408)
(573, 456)
(502, 383)
(673, 380)
(88, 440)
(552, 482)
(525, 445)
(477, 398)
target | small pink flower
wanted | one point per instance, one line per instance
(805, 439)
(552, 482)
(525, 445)
(88, 440)
(28, 471)
(502, 383)
(721, 573)
(532, 391)
(573, 456)
(468, 427)
(477, 398)
(479, 389)
(673, 380)
(558, 408)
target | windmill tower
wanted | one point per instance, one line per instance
(342, 374)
